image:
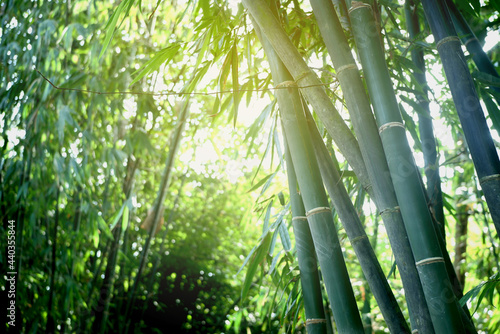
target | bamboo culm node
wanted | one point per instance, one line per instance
(315, 321)
(446, 40)
(488, 178)
(346, 67)
(317, 210)
(390, 210)
(288, 83)
(358, 4)
(390, 125)
(429, 261)
(303, 75)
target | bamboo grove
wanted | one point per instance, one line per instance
(145, 200)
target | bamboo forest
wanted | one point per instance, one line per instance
(250, 166)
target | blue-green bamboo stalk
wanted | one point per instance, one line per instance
(476, 131)
(428, 141)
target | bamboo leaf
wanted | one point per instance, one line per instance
(224, 73)
(259, 255)
(125, 218)
(492, 108)
(478, 291)
(161, 57)
(274, 262)
(123, 7)
(261, 182)
(486, 78)
(117, 216)
(234, 71)
(285, 237)
(411, 127)
(265, 228)
(281, 198)
(273, 242)
(104, 227)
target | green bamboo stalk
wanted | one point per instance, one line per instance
(431, 163)
(328, 250)
(322, 227)
(316, 322)
(374, 157)
(476, 131)
(368, 260)
(443, 305)
(312, 87)
(347, 213)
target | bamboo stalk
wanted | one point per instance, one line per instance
(374, 157)
(476, 131)
(375, 277)
(308, 263)
(313, 89)
(368, 260)
(443, 306)
(431, 163)
(319, 217)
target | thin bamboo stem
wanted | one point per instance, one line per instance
(428, 141)
(308, 263)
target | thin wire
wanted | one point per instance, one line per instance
(171, 92)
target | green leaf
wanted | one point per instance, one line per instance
(486, 79)
(281, 198)
(274, 262)
(123, 7)
(265, 228)
(257, 258)
(224, 72)
(125, 219)
(104, 227)
(285, 237)
(492, 108)
(411, 127)
(64, 117)
(481, 290)
(236, 86)
(117, 216)
(95, 238)
(163, 56)
(261, 182)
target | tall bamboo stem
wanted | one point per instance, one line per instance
(308, 263)
(476, 131)
(373, 154)
(443, 306)
(324, 234)
(431, 163)
(312, 87)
